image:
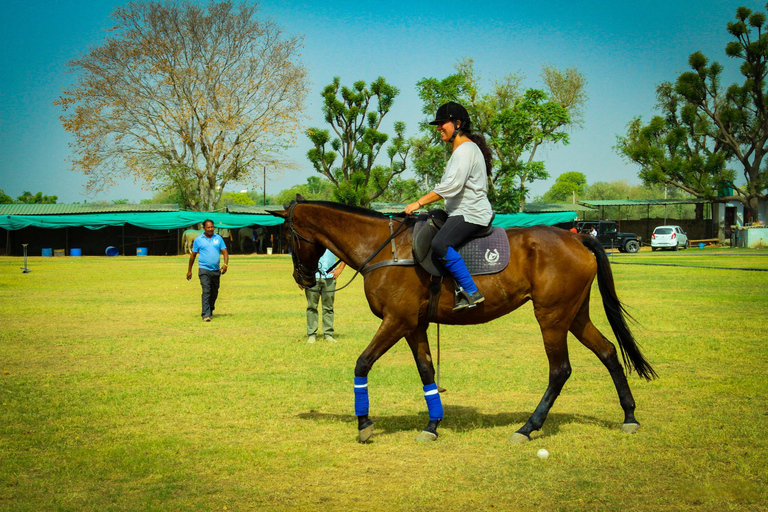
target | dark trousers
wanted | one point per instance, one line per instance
(209, 280)
(454, 232)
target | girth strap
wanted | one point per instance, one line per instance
(389, 263)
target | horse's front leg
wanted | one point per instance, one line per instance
(419, 344)
(390, 332)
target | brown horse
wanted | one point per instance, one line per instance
(549, 266)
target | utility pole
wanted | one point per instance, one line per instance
(264, 201)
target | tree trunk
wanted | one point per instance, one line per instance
(751, 213)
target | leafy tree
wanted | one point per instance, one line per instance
(5, 198)
(259, 197)
(403, 191)
(515, 122)
(234, 198)
(185, 95)
(704, 127)
(565, 186)
(315, 189)
(39, 198)
(355, 115)
(166, 195)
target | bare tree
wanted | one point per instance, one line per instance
(184, 95)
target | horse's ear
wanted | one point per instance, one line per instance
(278, 213)
(300, 198)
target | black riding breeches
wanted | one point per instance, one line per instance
(454, 232)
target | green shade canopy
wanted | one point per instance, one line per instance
(182, 219)
(148, 220)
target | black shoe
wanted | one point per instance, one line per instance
(468, 300)
(476, 298)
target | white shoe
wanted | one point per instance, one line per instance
(311, 338)
(330, 338)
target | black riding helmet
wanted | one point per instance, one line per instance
(453, 112)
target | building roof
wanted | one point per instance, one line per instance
(556, 207)
(641, 202)
(86, 208)
(253, 209)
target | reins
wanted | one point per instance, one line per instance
(390, 238)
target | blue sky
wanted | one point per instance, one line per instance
(624, 48)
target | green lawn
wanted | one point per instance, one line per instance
(115, 396)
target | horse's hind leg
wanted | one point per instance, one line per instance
(555, 344)
(586, 332)
(419, 344)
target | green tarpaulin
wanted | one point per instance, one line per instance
(519, 220)
(148, 220)
(184, 219)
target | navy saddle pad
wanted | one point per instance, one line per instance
(487, 255)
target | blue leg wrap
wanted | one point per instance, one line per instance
(361, 396)
(455, 265)
(434, 404)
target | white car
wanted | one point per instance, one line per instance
(669, 237)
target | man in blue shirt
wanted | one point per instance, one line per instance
(325, 287)
(210, 246)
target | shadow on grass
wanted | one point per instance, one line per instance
(460, 418)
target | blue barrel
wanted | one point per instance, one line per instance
(141, 251)
(75, 252)
(48, 252)
(701, 245)
(112, 251)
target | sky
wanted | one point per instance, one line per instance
(624, 48)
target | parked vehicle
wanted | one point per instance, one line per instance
(609, 237)
(669, 237)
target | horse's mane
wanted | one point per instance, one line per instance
(357, 210)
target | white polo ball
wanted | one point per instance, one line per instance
(542, 454)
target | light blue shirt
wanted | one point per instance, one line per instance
(326, 261)
(209, 250)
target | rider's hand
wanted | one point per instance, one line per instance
(409, 209)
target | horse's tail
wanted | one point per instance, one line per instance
(614, 310)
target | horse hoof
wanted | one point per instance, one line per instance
(365, 434)
(425, 436)
(519, 438)
(630, 428)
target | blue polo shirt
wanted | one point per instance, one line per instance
(209, 250)
(326, 261)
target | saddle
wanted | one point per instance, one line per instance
(487, 252)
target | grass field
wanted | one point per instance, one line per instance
(115, 396)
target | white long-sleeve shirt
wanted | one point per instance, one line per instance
(465, 185)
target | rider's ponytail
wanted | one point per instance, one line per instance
(478, 139)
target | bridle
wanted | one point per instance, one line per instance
(306, 273)
(301, 270)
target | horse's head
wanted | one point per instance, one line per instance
(305, 251)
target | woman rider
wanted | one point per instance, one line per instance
(465, 188)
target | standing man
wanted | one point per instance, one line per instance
(326, 286)
(210, 246)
